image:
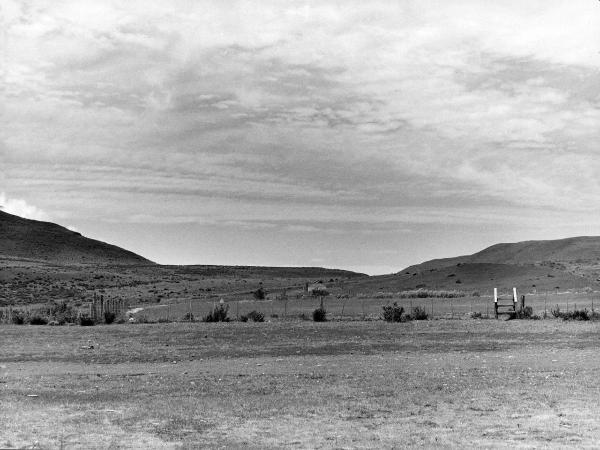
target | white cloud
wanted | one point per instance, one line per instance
(21, 208)
(243, 115)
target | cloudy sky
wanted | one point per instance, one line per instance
(360, 135)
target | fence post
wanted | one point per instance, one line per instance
(496, 302)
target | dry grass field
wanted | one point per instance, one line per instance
(296, 384)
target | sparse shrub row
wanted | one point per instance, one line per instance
(576, 314)
(395, 313)
(54, 314)
(422, 293)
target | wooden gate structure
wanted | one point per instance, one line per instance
(506, 305)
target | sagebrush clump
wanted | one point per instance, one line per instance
(418, 313)
(254, 316)
(320, 315)
(218, 314)
(393, 313)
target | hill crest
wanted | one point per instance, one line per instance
(568, 250)
(36, 240)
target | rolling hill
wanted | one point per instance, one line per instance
(576, 249)
(48, 242)
(570, 263)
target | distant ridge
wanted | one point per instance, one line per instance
(48, 242)
(570, 263)
(570, 250)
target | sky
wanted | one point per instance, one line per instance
(360, 135)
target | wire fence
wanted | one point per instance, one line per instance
(357, 308)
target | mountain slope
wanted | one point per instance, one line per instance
(44, 241)
(570, 263)
(570, 250)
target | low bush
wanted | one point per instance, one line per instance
(577, 314)
(86, 321)
(556, 312)
(320, 292)
(109, 317)
(18, 318)
(527, 314)
(419, 313)
(393, 313)
(38, 320)
(256, 316)
(319, 315)
(63, 313)
(218, 314)
(189, 317)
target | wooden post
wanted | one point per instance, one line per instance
(496, 302)
(515, 299)
(522, 302)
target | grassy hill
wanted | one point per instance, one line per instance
(578, 250)
(42, 261)
(475, 277)
(571, 263)
(44, 241)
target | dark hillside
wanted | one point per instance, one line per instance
(44, 241)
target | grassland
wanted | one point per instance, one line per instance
(294, 384)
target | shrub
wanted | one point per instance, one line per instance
(556, 312)
(393, 313)
(18, 318)
(63, 313)
(243, 318)
(86, 321)
(259, 294)
(577, 314)
(476, 315)
(218, 314)
(189, 317)
(526, 313)
(256, 316)
(320, 315)
(109, 317)
(320, 292)
(419, 313)
(38, 320)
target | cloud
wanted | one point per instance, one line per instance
(296, 116)
(19, 207)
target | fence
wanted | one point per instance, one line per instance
(356, 308)
(99, 306)
(352, 308)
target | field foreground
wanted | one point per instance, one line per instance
(442, 383)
